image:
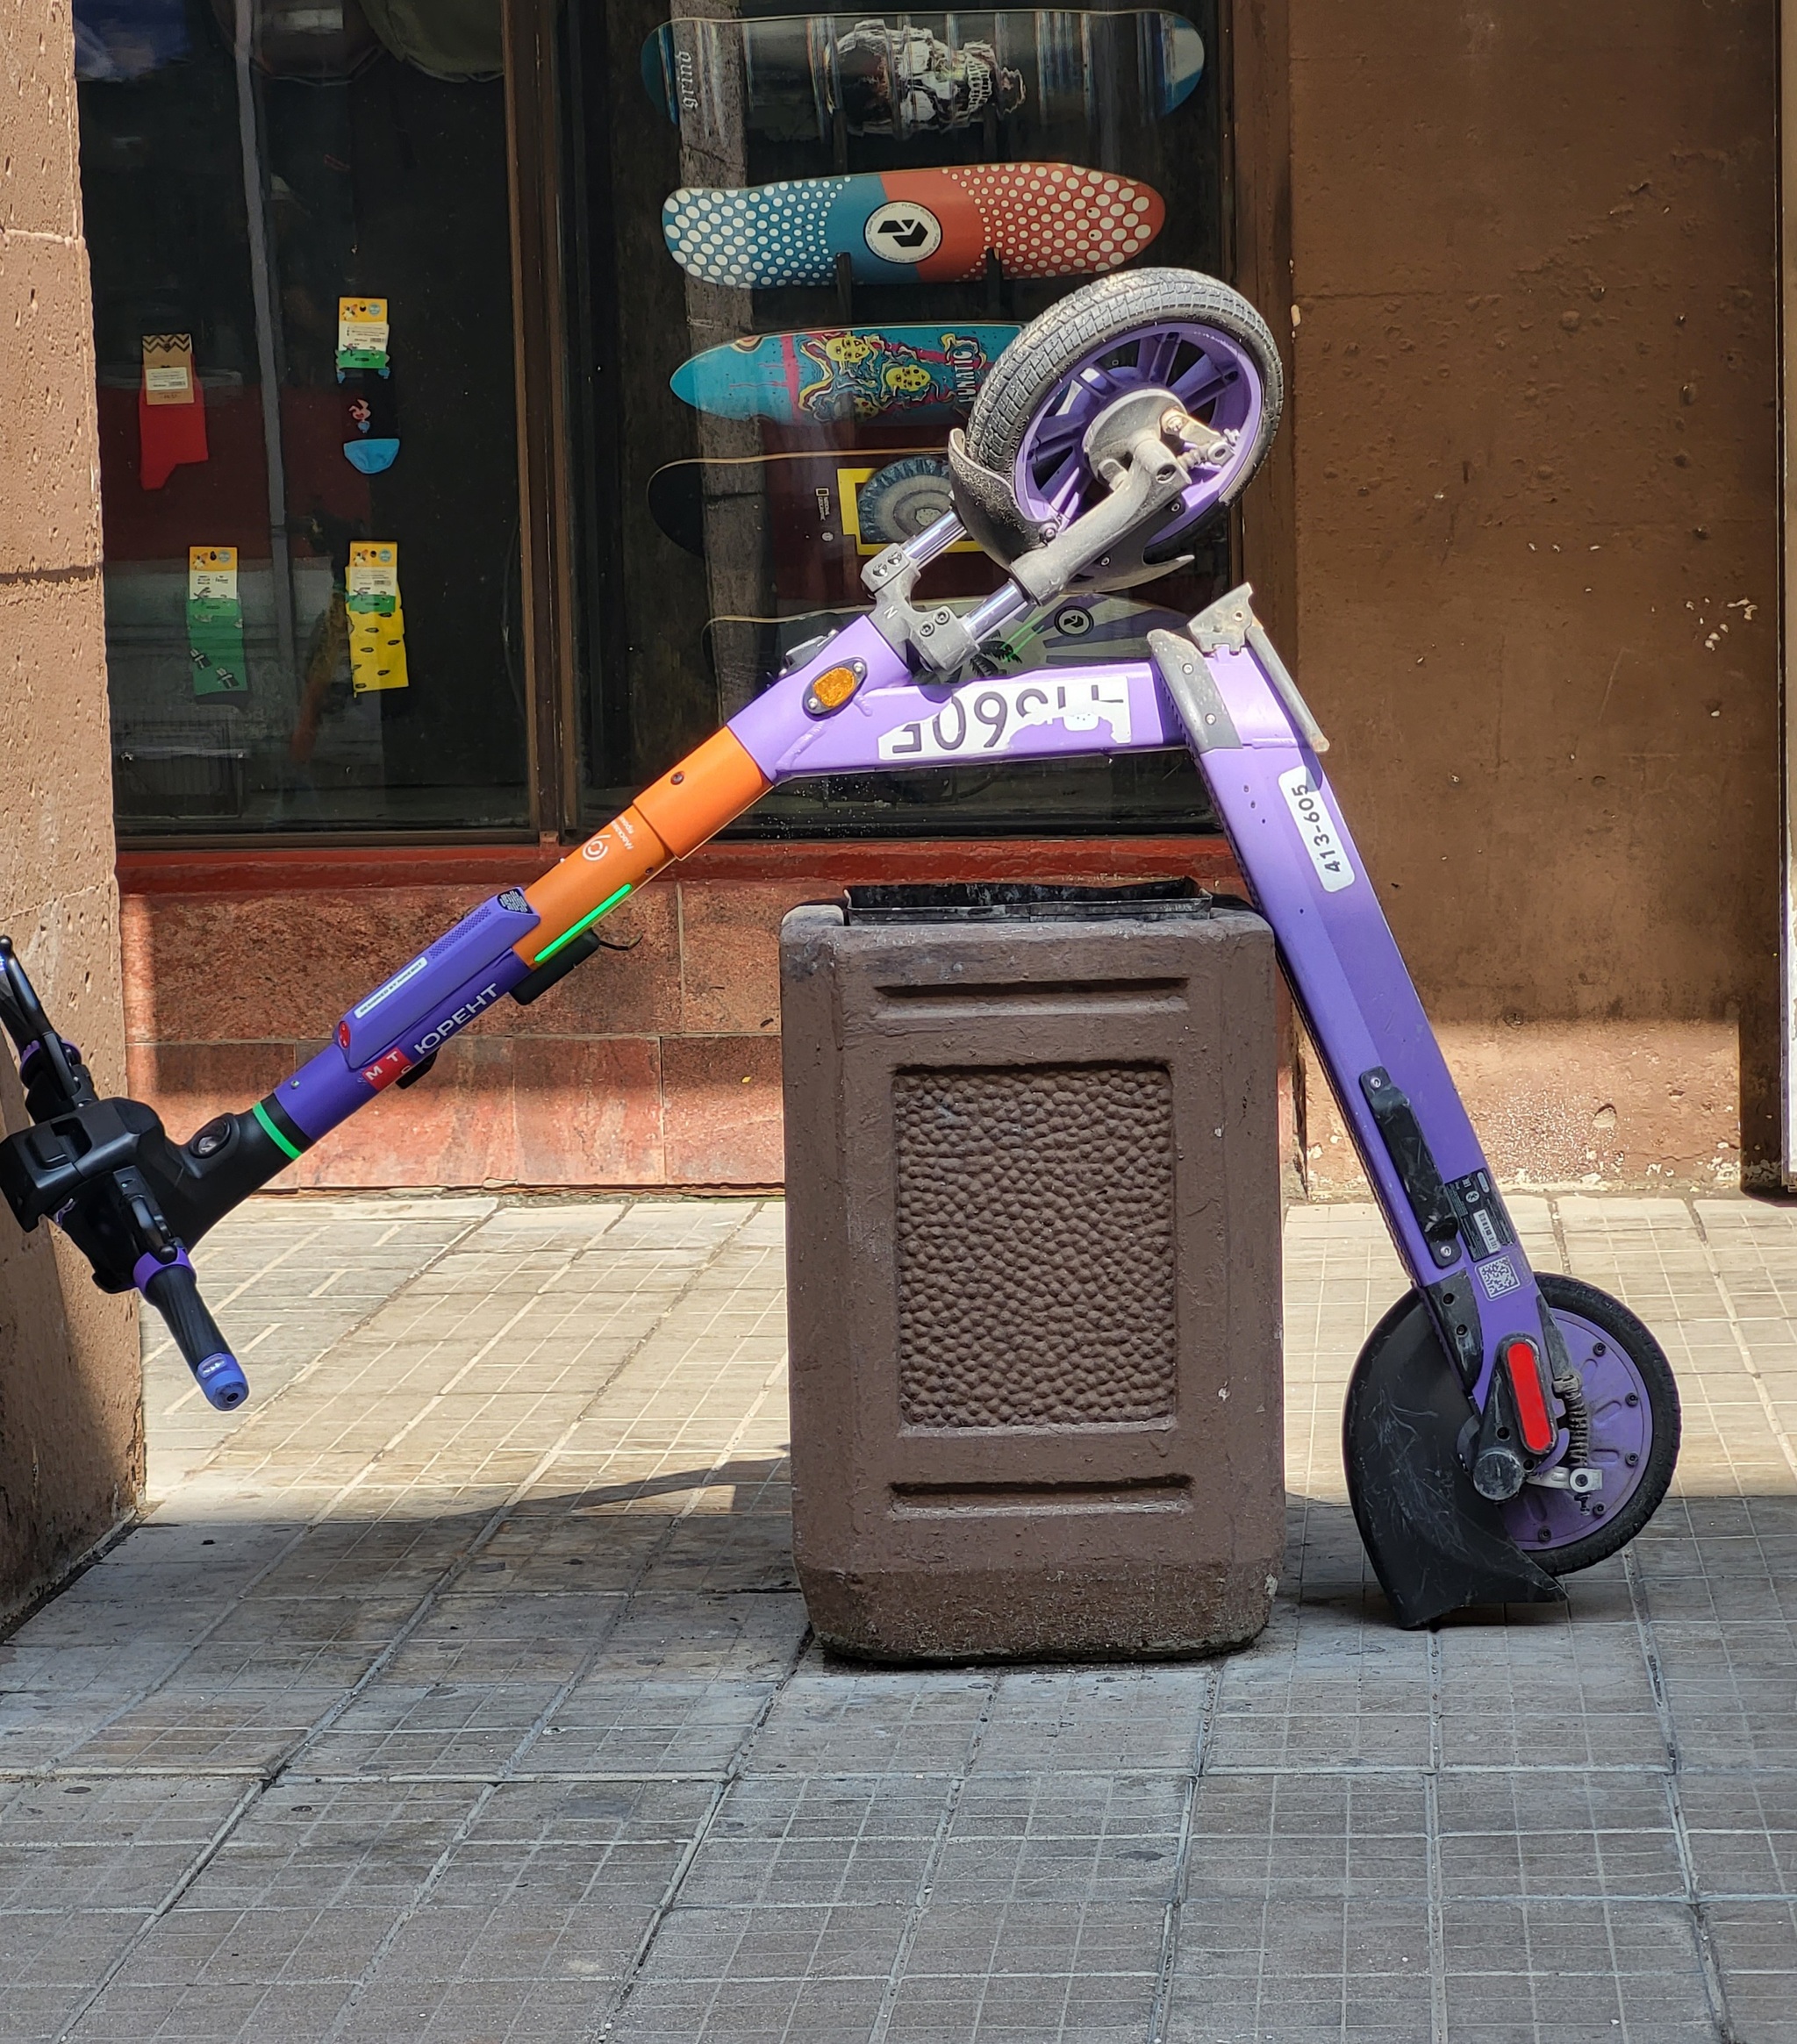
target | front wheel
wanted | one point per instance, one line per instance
(1169, 329)
(1436, 1545)
(1632, 1399)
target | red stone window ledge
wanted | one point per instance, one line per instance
(820, 862)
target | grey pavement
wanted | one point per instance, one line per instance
(458, 1690)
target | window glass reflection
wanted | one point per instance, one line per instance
(312, 606)
(797, 243)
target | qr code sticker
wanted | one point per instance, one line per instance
(1498, 1275)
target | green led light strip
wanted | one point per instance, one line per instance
(585, 922)
(275, 1135)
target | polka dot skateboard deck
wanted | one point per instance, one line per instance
(929, 373)
(931, 226)
(920, 76)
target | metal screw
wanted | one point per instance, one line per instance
(1597, 1511)
(1631, 1460)
(1632, 1399)
(1598, 1348)
(676, 778)
(1545, 1535)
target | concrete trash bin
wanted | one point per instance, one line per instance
(1033, 1264)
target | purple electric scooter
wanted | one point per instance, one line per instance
(1502, 1428)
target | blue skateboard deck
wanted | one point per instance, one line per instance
(929, 373)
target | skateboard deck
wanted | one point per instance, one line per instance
(929, 227)
(1081, 628)
(925, 374)
(790, 77)
(825, 515)
(747, 652)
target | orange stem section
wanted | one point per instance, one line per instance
(673, 816)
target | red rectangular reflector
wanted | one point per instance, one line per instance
(1523, 1363)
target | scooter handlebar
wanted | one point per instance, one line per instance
(175, 1292)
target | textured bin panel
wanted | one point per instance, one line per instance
(1036, 1246)
(1033, 1259)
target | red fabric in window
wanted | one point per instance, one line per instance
(223, 500)
(168, 435)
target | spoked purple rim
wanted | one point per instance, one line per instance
(1621, 1433)
(1214, 377)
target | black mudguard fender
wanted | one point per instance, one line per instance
(1434, 1543)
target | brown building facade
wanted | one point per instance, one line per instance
(71, 1435)
(1520, 541)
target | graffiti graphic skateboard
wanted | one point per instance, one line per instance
(825, 515)
(930, 226)
(927, 374)
(923, 75)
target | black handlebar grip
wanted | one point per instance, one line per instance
(175, 1292)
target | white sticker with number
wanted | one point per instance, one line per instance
(992, 716)
(1321, 833)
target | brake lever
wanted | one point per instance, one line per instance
(34, 1035)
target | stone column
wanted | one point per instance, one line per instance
(71, 1404)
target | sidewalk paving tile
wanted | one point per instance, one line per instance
(458, 1690)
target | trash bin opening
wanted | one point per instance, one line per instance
(992, 901)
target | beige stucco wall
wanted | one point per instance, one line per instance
(71, 1434)
(1533, 253)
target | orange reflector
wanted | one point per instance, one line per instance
(835, 686)
(1523, 1362)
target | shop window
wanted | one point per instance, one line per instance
(765, 360)
(328, 614)
(312, 604)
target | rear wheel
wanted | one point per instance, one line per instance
(1170, 328)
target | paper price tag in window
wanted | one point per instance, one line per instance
(168, 377)
(214, 622)
(362, 334)
(373, 583)
(376, 622)
(211, 572)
